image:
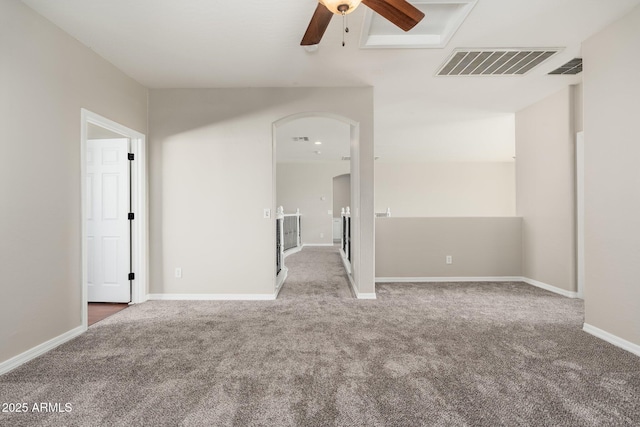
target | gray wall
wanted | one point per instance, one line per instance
(545, 189)
(417, 247)
(304, 185)
(578, 108)
(46, 78)
(211, 177)
(341, 194)
(446, 189)
(612, 178)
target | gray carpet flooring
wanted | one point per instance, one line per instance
(439, 354)
(316, 272)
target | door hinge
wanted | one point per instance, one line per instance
(132, 276)
(130, 156)
(131, 216)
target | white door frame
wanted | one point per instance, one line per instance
(139, 251)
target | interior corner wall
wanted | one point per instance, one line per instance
(612, 178)
(341, 193)
(309, 187)
(578, 108)
(446, 189)
(545, 190)
(46, 78)
(211, 169)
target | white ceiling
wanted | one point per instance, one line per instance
(255, 43)
(332, 134)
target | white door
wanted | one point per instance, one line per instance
(108, 230)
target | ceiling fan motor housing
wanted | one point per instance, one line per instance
(399, 12)
(340, 7)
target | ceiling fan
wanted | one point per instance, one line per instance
(398, 12)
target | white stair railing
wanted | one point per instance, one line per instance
(279, 240)
(288, 240)
(345, 235)
(386, 214)
(291, 227)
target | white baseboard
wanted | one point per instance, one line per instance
(351, 281)
(347, 266)
(362, 295)
(292, 251)
(613, 339)
(280, 280)
(317, 244)
(359, 295)
(550, 288)
(345, 263)
(448, 279)
(211, 297)
(14, 362)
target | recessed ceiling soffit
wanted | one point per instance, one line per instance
(442, 19)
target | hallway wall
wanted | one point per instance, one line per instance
(46, 77)
(545, 189)
(612, 179)
(304, 186)
(417, 247)
(446, 189)
(210, 168)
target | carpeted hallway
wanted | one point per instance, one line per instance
(471, 354)
(316, 272)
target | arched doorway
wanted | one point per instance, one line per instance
(362, 257)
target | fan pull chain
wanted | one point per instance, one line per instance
(345, 26)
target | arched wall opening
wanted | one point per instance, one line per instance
(362, 261)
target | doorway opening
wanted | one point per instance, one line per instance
(310, 151)
(114, 217)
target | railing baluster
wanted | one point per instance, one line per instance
(345, 243)
(278, 246)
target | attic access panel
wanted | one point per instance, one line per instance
(494, 62)
(442, 19)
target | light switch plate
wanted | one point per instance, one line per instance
(267, 213)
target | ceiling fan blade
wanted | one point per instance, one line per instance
(399, 12)
(318, 25)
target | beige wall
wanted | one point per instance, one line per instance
(446, 189)
(341, 194)
(578, 110)
(211, 177)
(545, 190)
(46, 78)
(612, 178)
(417, 247)
(304, 186)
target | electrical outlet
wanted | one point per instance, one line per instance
(178, 273)
(449, 259)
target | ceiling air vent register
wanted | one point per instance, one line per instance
(494, 62)
(572, 67)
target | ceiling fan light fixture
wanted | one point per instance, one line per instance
(340, 7)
